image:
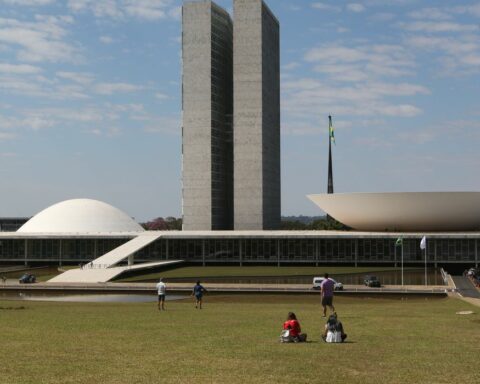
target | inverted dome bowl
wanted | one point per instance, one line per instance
(404, 211)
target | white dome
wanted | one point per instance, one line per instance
(80, 216)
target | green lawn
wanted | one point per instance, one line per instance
(234, 340)
(202, 272)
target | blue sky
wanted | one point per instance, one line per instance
(90, 100)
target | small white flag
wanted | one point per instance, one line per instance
(423, 243)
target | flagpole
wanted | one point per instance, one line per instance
(330, 166)
(402, 263)
(426, 263)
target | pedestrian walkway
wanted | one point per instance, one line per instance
(103, 275)
(125, 250)
(105, 267)
(465, 287)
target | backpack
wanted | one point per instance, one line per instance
(285, 336)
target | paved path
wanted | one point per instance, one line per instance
(102, 275)
(222, 288)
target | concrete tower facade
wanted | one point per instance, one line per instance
(207, 103)
(256, 74)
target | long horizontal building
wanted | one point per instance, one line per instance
(79, 231)
(285, 247)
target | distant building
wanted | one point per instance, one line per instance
(11, 224)
(231, 117)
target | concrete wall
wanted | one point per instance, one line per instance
(207, 102)
(256, 117)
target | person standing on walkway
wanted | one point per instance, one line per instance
(162, 290)
(198, 291)
(327, 287)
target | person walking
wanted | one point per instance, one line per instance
(198, 291)
(162, 290)
(327, 287)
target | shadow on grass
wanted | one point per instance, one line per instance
(321, 342)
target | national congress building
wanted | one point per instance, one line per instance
(231, 181)
(231, 117)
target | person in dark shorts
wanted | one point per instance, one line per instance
(327, 287)
(162, 290)
(198, 291)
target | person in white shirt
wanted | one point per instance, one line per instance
(162, 289)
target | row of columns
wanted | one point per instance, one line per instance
(278, 252)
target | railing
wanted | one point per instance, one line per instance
(444, 276)
(95, 266)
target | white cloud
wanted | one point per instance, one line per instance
(29, 3)
(403, 110)
(165, 124)
(438, 27)
(18, 68)
(111, 88)
(39, 40)
(458, 55)
(326, 7)
(382, 17)
(355, 7)
(100, 8)
(149, 10)
(36, 123)
(26, 122)
(290, 66)
(77, 77)
(472, 9)
(356, 83)
(21, 86)
(161, 96)
(430, 14)
(145, 9)
(106, 39)
(175, 13)
(303, 96)
(4, 136)
(37, 86)
(361, 62)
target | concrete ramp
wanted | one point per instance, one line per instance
(103, 275)
(124, 251)
(104, 268)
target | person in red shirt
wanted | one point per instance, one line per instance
(295, 331)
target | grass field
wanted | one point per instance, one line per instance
(250, 271)
(234, 340)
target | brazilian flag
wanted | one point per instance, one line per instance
(331, 130)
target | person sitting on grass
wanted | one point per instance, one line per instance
(334, 332)
(292, 332)
(198, 292)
